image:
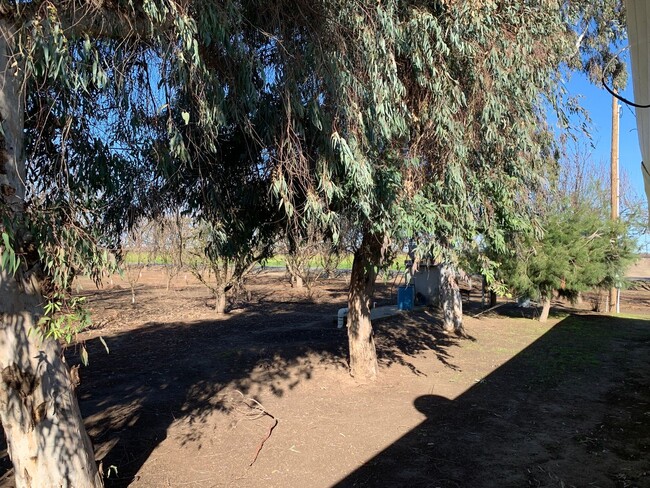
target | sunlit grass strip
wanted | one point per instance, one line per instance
(278, 261)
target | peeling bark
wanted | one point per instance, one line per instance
(46, 437)
(363, 355)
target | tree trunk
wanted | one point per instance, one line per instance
(546, 308)
(298, 282)
(294, 272)
(600, 303)
(220, 302)
(295, 279)
(452, 302)
(46, 437)
(363, 356)
(493, 299)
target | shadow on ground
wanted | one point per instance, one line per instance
(572, 409)
(159, 373)
(558, 414)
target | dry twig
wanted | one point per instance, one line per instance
(489, 309)
(256, 411)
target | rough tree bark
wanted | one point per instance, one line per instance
(546, 308)
(363, 355)
(451, 300)
(46, 437)
(220, 301)
(223, 285)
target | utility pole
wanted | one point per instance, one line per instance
(613, 295)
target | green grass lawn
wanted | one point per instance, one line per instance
(345, 263)
(277, 261)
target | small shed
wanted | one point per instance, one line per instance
(427, 284)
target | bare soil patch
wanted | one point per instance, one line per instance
(516, 404)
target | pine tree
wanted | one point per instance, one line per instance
(580, 248)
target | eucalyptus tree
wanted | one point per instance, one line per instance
(115, 111)
(78, 97)
(435, 118)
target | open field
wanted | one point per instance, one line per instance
(516, 404)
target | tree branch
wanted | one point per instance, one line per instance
(97, 19)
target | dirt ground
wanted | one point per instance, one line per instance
(188, 399)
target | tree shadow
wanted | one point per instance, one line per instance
(533, 422)
(557, 414)
(160, 373)
(405, 336)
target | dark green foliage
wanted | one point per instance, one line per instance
(581, 249)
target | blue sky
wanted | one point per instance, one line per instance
(598, 102)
